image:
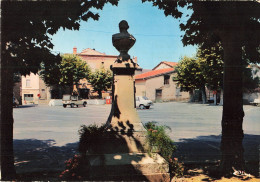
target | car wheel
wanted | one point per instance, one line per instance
(84, 104)
(77, 105)
(64, 105)
(147, 107)
(141, 106)
(71, 105)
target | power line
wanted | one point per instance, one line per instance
(148, 35)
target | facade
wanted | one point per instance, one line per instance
(158, 84)
(250, 97)
(33, 89)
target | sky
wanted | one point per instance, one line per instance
(158, 38)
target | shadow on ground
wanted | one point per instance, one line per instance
(204, 153)
(25, 106)
(40, 159)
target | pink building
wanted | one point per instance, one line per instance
(35, 91)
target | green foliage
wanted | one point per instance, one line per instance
(92, 139)
(159, 140)
(90, 136)
(189, 74)
(213, 21)
(26, 27)
(101, 79)
(70, 71)
(207, 68)
(211, 64)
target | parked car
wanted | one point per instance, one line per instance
(256, 102)
(73, 100)
(143, 102)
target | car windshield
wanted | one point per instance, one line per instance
(74, 97)
(145, 98)
(66, 97)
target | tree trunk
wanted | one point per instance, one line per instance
(6, 98)
(203, 95)
(232, 117)
(221, 98)
(191, 93)
(100, 94)
(215, 99)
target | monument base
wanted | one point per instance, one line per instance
(128, 167)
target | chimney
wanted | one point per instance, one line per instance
(74, 50)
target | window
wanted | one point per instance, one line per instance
(102, 63)
(28, 97)
(43, 90)
(166, 79)
(28, 82)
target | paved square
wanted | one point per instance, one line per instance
(185, 119)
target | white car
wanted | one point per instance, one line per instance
(73, 100)
(143, 102)
(256, 102)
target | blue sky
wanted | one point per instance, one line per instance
(157, 37)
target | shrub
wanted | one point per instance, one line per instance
(74, 168)
(77, 168)
(160, 141)
(90, 136)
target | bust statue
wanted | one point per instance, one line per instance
(123, 41)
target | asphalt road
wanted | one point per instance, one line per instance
(186, 120)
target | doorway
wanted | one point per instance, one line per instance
(158, 95)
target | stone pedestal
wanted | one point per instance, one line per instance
(122, 154)
(128, 167)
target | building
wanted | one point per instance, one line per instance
(250, 97)
(158, 84)
(96, 60)
(35, 91)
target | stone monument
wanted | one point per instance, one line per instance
(123, 155)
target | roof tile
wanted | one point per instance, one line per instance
(153, 73)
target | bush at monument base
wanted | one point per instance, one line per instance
(76, 168)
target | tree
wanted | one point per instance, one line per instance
(100, 80)
(25, 43)
(66, 74)
(189, 76)
(211, 63)
(237, 26)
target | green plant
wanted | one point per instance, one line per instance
(77, 168)
(100, 80)
(160, 141)
(90, 136)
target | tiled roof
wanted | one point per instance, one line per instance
(153, 73)
(89, 51)
(170, 64)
